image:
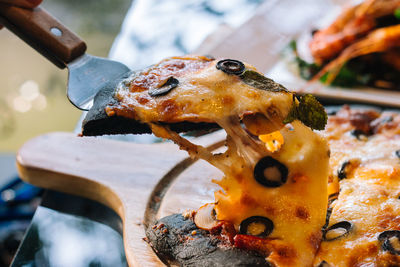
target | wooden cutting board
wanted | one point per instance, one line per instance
(141, 182)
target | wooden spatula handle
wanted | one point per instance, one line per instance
(43, 32)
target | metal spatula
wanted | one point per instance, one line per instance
(87, 74)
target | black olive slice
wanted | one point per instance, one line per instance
(337, 230)
(314, 31)
(324, 264)
(359, 134)
(165, 88)
(347, 167)
(387, 240)
(328, 216)
(342, 170)
(270, 173)
(231, 66)
(332, 198)
(397, 153)
(331, 110)
(257, 226)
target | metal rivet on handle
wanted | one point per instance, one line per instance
(56, 31)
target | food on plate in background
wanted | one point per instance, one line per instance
(361, 47)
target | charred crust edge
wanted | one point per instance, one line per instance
(97, 122)
(179, 245)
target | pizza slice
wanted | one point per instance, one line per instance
(273, 198)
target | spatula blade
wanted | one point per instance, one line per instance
(87, 75)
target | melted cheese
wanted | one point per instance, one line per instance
(297, 208)
(369, 192)
(273, 141)
(297, 211)
(204, 94)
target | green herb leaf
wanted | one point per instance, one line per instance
(309, 111)
(397, 13)
(293, 45)
(259, 81)
(312, 113)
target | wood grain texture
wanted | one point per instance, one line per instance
(35, 26)
(140, 182)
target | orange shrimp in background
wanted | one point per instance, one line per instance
(379, 40)
(328, 42)
(354, 23)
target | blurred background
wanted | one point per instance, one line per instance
(33, 101)
(32, 90)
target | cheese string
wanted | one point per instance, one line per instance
(237, 139)
(195, 151)
(246, 146)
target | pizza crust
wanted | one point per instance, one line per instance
(177, 240)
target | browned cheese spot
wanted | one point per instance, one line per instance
(286, 254)
(383, 192)
(143, 100)
(247, 200)
(168, 109)
(269, 210)
(315, 240)
(155, 75)
(388, 220)
(228, 100)
(302, 213)
(363, 253)
(239, 177)
(387, 259)
(283, 254)
(298, 177)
